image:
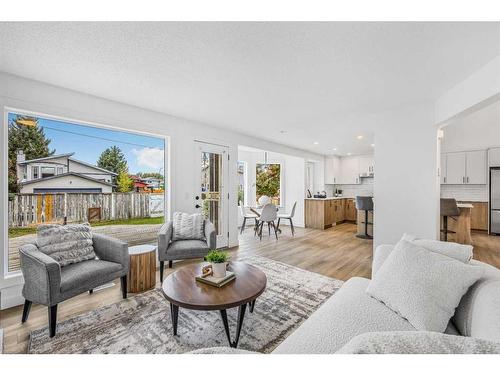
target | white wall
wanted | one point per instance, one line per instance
(406, 186)
(475, 91)
(293, 180)
(25, 94)
(479, 130)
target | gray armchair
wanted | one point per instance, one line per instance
(169, 250)
(47, 283)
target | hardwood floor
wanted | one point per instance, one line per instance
(334, 252)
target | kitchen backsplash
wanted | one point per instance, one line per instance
(473, 193)
(351, 191)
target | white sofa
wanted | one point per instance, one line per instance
(351, 312)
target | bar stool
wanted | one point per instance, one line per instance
(448, 208)
(365, 204)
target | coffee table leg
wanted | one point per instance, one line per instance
(251, 305)
(174, 311)
(241, 316)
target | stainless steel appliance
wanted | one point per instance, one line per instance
(495, 200)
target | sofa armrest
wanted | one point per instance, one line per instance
(210, 235)
(380, 254)
(164, 237)
(110, 249)
(42, 275)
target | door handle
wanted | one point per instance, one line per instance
(463, 180)
(467, 179)
(197, 206)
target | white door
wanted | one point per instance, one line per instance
(211, 194)
(455, 168)
(443, 169)
(475, 167)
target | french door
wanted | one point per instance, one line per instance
(211, 195)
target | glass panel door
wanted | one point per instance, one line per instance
(211, 198)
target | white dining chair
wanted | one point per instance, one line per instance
(268, 215)
(247, 215)
(263, 200)
(288, 217)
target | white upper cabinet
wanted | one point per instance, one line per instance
(475, 167)
(458, 168)
(332, 170)
(494, 157)
(366, 165)
(350, 171)
(443, 169)
(455, 168)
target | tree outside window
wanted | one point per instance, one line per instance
(241, 182)
(268, 182)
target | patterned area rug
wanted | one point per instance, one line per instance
(142, 324)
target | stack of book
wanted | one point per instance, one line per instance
(216, 281)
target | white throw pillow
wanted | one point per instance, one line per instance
(188, 227)
(422, 286)
(454, 250)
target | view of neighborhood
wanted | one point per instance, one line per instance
(62, 172)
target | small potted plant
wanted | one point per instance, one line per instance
(218, 260)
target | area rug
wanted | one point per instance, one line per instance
(142, 324)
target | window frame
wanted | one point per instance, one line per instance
(282, 185)
(245, 181)
(11, 278)
(50, 175)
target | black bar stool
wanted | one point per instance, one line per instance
(448, 208)
(365, 204)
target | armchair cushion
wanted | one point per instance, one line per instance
(66, 244)
(89, 273)
(111, 249)
(188, 226)
(186, 249)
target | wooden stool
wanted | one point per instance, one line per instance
(142, 272)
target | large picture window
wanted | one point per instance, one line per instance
(268, 182)
(65, 172)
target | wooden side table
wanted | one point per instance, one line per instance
(142, 272)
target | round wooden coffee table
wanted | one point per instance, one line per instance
(182, 290)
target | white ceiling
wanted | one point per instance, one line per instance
(311, 80)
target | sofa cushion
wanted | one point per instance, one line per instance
(348, 313)
(457, 251)
(187, 248)
(66, 244)
(88, 273)
(417, 343)
(188, 226)
(422, 286)
(478, 314)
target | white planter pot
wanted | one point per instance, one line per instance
(219, 269)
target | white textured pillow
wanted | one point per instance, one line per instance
(66, 244)
(422, 286)
(188, 227)
(453, 250)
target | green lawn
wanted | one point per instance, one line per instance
(17, 232)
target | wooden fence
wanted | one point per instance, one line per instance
(31, 209)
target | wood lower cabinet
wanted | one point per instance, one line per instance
(323, 213)
(350, 210)
(479, 215)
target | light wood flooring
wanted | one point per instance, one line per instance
(334, 252)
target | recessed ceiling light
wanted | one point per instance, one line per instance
(359, 137)
(373, 145)
(349, 154)
(282, 131)
(316, 143)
